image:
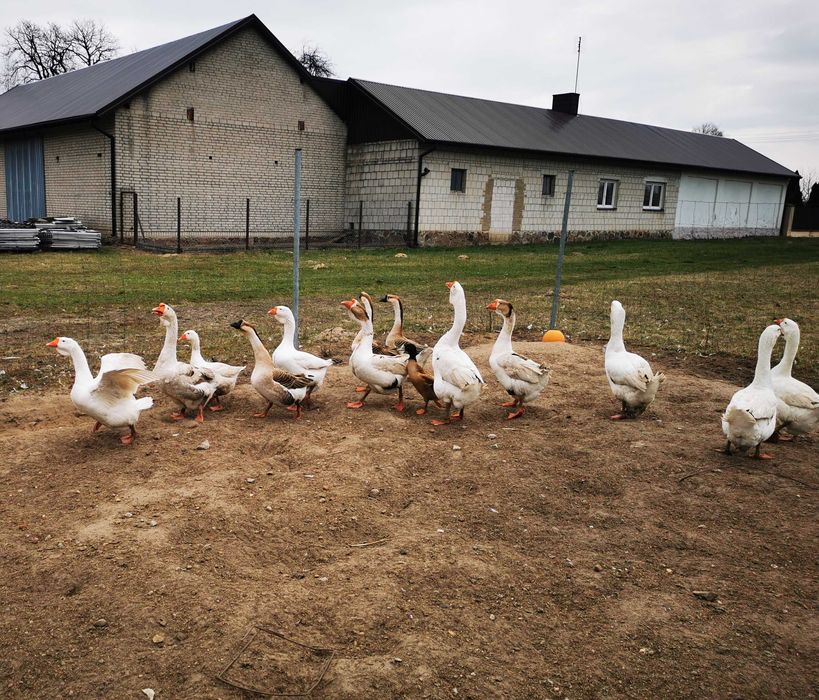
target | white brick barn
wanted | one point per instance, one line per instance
(213, 119)
(483, 172)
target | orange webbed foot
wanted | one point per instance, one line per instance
(516, 414)
(509, 404)
(355, 404)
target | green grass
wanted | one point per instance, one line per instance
(693, 297)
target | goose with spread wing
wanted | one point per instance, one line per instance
(109, 398)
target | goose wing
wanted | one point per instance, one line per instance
(290, 380)
(622, 370)
(456, 367)
(521, 368)
(120, 375)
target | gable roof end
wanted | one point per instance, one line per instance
(91, 92)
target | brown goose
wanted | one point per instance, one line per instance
(396, 337)
(272, 383)
(421, 380)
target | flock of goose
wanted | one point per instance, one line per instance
(443, 374)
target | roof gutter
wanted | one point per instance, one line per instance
(420, 174)
(113, 149)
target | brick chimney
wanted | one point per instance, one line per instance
(566, 102)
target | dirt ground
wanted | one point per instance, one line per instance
(555, 556)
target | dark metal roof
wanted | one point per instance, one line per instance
(468, 121)
(90, 92)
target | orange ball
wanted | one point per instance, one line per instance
(554, 336)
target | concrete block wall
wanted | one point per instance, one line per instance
(247, 107)
(77, 168)
(381, 175)
(450, 218)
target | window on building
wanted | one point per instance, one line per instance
(548, 189)
(654, 196)
(457, 182)
(607, 194)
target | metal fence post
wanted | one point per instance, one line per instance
(247, 223)
(409, 222)
(296, 229)
(179, 224)
(563, 234)
(136, 219)
(360, 218)
(307, 225)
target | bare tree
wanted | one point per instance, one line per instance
(315, 61)
(91, 43)
(32, 52)
(807, 183)
(708, 128)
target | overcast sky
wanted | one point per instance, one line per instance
(749, 66)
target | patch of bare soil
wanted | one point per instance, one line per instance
(556, 556)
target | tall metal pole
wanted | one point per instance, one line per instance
(563, 233)
(577, 70)
(296, 241)
(178, 224)
(247, 223)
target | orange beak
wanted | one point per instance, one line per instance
(54, 343)
(158, 310)
(778, 321)
(348, 304)
(272, 312)
(184, 336)
(493, 306)
(449, 285)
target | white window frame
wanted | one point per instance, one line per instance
(654, 184)
(615, 186)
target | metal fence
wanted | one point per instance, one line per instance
(180, 224)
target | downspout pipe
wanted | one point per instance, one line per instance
(420, 174)
(113, 149)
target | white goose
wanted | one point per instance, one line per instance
(295, 361)
(797, 408)
(189, 387)
(226, 375)
(750, 418)
(272, 383)
(383, 374)
(109, 397)
(457, 380)
(523, 379)
(630, 377)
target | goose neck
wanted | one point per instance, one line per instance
(504, 341)
(260, 352)
(618, 321)
(453, 335)
(168, 354)
(791, 348)
(82, 372)
(762, 373)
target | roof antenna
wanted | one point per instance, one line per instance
(577, 70)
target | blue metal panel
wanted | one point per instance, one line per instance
(25, 179)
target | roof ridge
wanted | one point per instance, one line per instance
(222, 27)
